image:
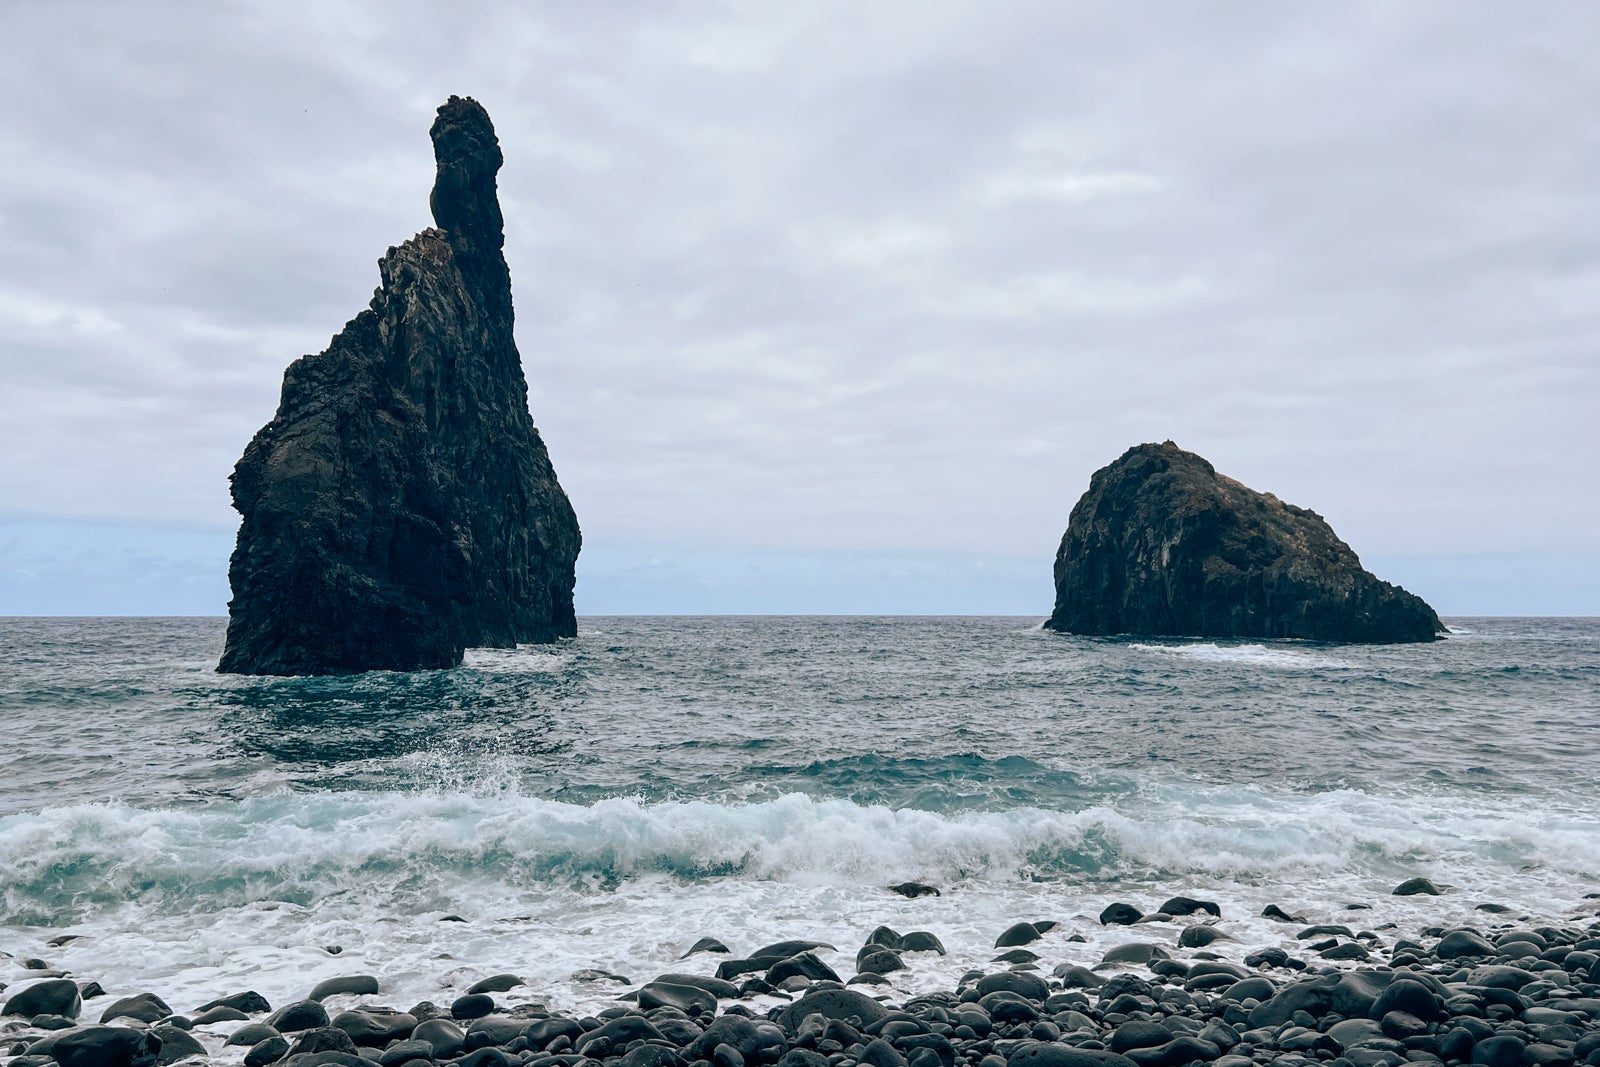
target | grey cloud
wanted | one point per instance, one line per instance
(833, 277)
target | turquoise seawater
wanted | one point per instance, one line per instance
(606, 801)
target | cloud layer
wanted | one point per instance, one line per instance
(838, 278)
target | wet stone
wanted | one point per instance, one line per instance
(1017, 934)
(267, 1050)
(358, 984)
(472, 1006)
(253, 1034)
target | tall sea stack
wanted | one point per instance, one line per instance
(400, 506)
(1162, 544)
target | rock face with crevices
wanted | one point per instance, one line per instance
(1163, 545)
(401, 507)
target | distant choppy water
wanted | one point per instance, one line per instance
(605, 802)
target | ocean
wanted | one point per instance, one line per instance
(581, 814)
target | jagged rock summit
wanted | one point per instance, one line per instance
(1162, 544)
(400, 507)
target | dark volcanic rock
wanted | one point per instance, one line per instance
(400, 506)
(53, 996)
(146, 1007)
(107, 1046)
(1163, 544)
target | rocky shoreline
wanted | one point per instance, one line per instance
(1504, 993)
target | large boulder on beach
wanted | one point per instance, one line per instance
(53, 996)
(835, 1004)
(177, 1044)
(1161, 544)
(146, 1007)
(107, 1046)
(400, 506)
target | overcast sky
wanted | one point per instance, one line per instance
(830, 307)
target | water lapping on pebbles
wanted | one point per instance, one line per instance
(258, 890)
(60, 865)
(600, 806)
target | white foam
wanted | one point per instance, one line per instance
(198, 902)
(1277, 656)
(524, 659)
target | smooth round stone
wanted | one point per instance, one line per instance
(1180, 1050)
(106, 1046)
(1462, 943)
(618, 1033)
(834, 1004)
(253, 1034)
(884, 937)
(358, 984)
(1353, 1032)
(1189, 905)
(1028, 986)
(493, 1030)
(691, 1000)
(1133, 952)
(374, 1029)
(1519, 949)
(782, 950)
(732, 1030)
(800, 1057)
(1496, 977)
(1325, 930)
(705, 944)
(301, 1015)
(1055, 1054)
(495, 983)
(649, 1054)
(1201, 936)
(1076, 976)
(403, 1051)
(717, 987)
(249, 1002)
(322, 1039)
(267, 1050)
(1500, 1051)
(1120, 915)
(802, 963)
(1411, 997)
(878, 1053)
(1257, 988)
(53, 996)
(1007, 1009)
(1139, 1033)
(220, 1014)
(1350, 950)
(446, 1037)
(1401, 1025)
(541, 1033)
(472, 1006)
(177, 1044)
(880, 961)
(1529, 936)
(486, 1057)
(1017, 934)
(146, 1007)
(1418, 886)
(922, 941)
